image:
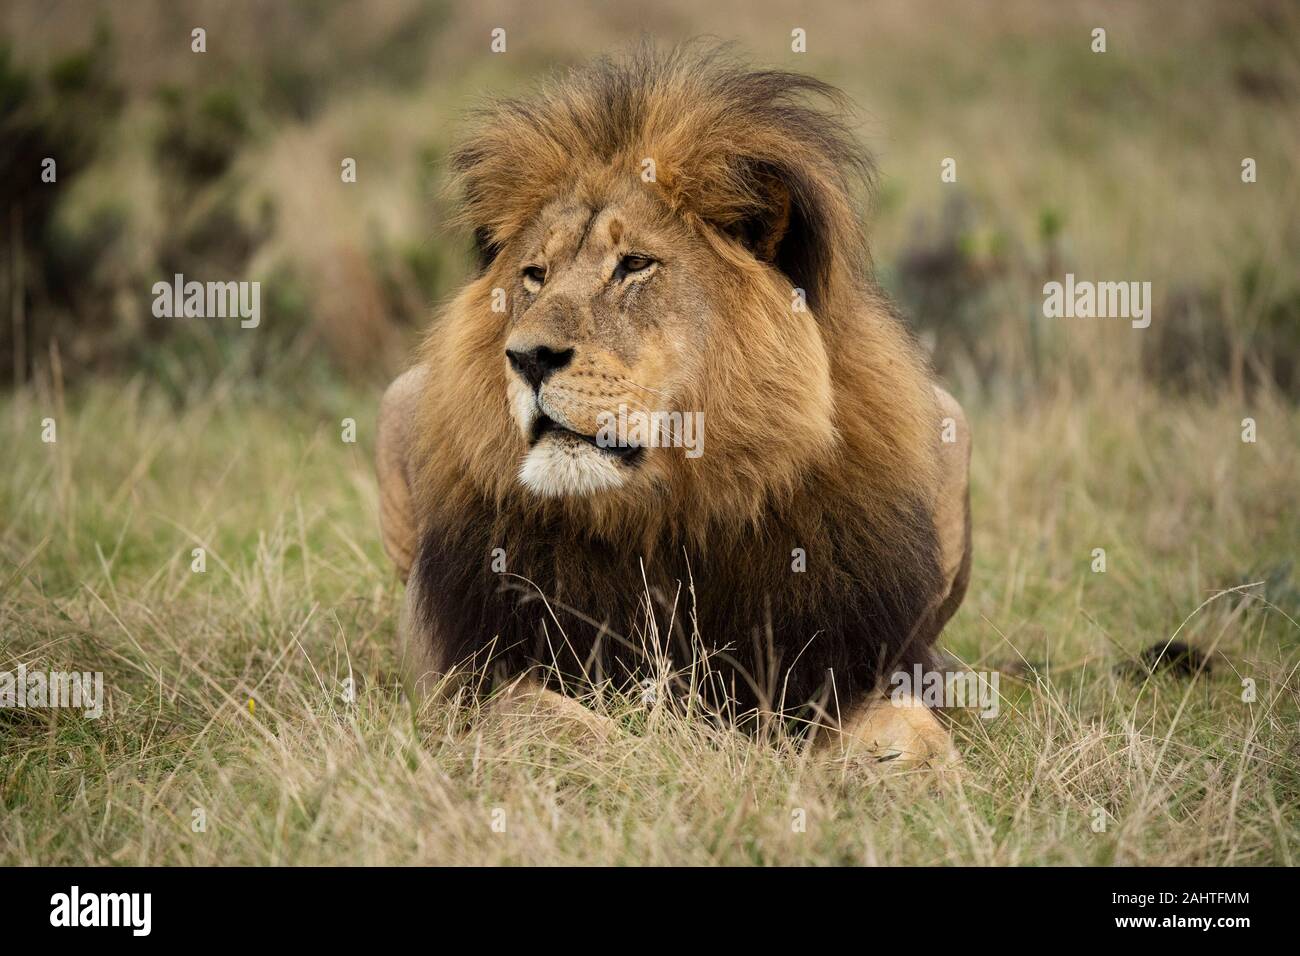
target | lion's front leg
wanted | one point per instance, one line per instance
(424, 672)
(902, 732)
(527, 699)
(524, 699)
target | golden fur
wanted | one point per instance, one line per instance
(822, 425)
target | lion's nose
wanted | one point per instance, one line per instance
(535, 364)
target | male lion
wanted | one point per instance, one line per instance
(675, 233)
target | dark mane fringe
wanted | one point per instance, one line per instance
(784, 639)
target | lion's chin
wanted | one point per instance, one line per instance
(558, 467)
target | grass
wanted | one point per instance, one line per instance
(171, 437)
(297, 597)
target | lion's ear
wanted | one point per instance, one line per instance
(787, 226)
(763, 227)
(484, 248)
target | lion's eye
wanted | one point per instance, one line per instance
(631, 264)
(535, 274)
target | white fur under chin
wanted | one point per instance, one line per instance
(554, 469)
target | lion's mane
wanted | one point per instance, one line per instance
(718, 546)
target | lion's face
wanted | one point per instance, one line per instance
(689, 347)
(610, 330)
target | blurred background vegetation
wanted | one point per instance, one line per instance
(225, 165)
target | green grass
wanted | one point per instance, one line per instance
(297, 597)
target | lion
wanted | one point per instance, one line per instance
(675, 235)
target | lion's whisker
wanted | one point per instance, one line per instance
(644, 388)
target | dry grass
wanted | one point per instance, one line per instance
(298, 597)
(1134, 157)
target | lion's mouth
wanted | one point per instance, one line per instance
(630, 455)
